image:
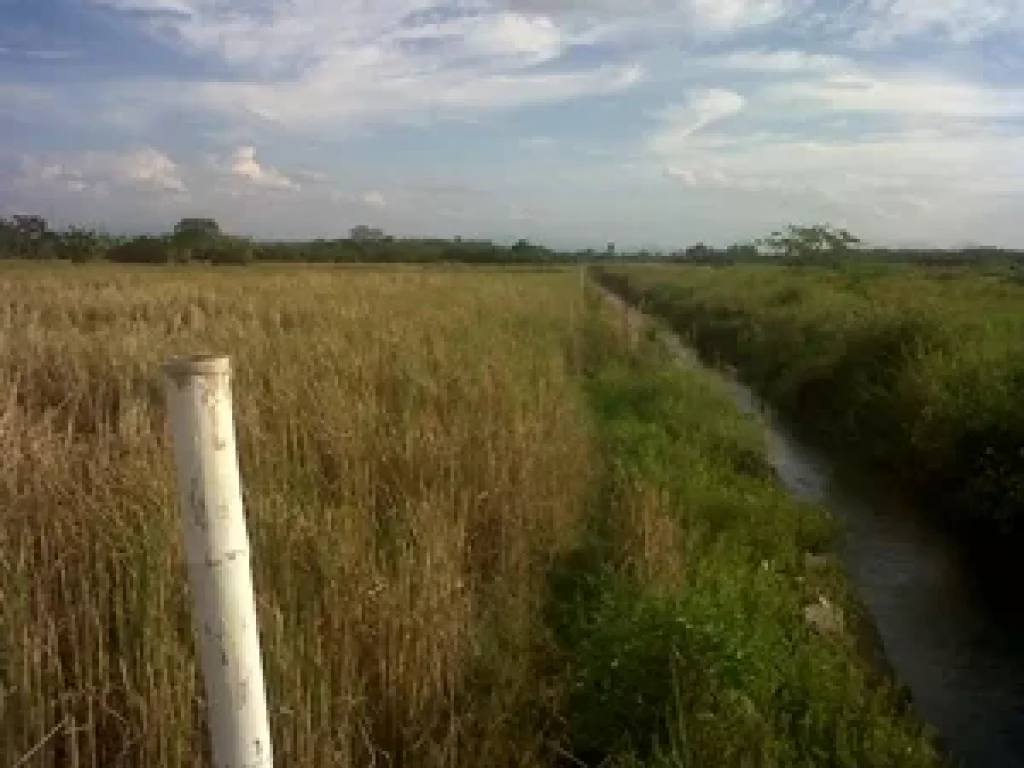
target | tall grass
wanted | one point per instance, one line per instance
(920, 371)
(684, 609)
(414, 454)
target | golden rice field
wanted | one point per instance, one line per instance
(415, 455)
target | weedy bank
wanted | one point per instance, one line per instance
(706, 619)
(918, 370)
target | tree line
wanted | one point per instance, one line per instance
(822, 244)
(202, 240)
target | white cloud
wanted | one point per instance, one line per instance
(245, 166)
(142, 170)
(920, 154)
(323, 65)
(666, 19)
(731, 15)
(703, 108)
(150, 168)
(375, 199)
(36, 172)
(896, 169)
(527, 39)
(337, 96)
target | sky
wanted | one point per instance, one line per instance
(649, 123)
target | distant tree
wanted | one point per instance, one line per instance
(742, 252)
(143, 250)
(194, 238)
(700, 253)
(231, 251)
(80, 245)
(981, 254)
(8, 239)
(33, 228)
(26, 237)
(204, 230)
(810, 244)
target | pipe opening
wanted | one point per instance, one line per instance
(197, 365)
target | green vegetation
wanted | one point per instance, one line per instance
(491, 526)
(685, 610)
(810, 245)
(919, 371)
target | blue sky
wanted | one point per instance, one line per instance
(652, 123)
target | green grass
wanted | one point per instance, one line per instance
(918, 371)
(683, 611)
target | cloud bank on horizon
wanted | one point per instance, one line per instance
(652, 123)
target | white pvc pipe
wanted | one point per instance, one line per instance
(217, 548)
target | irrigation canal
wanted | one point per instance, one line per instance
(960, 654)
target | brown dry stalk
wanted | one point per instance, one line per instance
(414, 455)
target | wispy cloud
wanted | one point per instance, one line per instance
(886, 22)
(651, 20)
(330, 97)
(680, 122)
(310, 64)
(905, 95)
(885, 169)
(773, 62)
(149, 167)
(245, 166)
(142, 170)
